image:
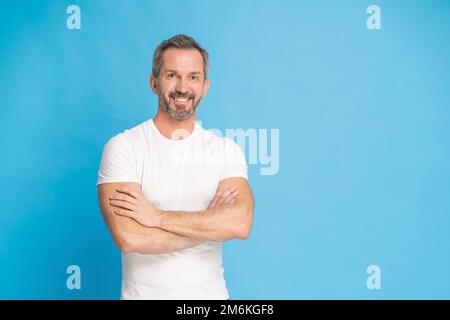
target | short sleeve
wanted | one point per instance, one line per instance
(118, 161)
(234, 164)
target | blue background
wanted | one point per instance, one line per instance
(364, 140)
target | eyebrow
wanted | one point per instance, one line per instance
(175, 71)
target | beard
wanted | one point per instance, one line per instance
(180, 112)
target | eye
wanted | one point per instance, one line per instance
(194, 77)
(170, 75)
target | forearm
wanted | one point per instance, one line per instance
(142, 239)
(217, 224)
(162, 241)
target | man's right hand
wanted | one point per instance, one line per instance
(223, 197)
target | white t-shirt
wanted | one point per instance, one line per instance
(174, 175)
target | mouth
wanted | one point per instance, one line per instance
(180, 100)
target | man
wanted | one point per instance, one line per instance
(171, 192)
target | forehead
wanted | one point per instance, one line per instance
(182, 60)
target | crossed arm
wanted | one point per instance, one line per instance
(137, 226)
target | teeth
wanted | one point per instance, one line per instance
(181, 99)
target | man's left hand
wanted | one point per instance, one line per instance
(134, 205)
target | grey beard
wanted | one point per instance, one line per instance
(177, 114)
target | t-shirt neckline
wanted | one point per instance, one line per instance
(172, 141)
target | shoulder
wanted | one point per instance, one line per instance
(221, 145)
(129, 138)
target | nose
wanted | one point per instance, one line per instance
(181, 86)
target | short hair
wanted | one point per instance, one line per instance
(179, 41)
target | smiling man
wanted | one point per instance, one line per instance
(171, 192)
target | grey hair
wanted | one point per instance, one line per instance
(179, 41)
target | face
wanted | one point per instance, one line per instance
(180, 85)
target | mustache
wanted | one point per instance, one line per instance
(181, 95)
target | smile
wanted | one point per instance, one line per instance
(181, 99)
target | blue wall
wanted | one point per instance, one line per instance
(364, 149)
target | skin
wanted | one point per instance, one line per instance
(134, 222)
(182, 73)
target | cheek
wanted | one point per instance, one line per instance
(199, 92)
(166, 88)
(165, 93)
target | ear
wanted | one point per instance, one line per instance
(206, 86)
(153, 81)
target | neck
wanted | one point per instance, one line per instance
(171, 128)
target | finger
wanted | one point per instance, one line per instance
(231, 202)
(124, 197)
(222, 195)
(231, 198)
(225, 189)
(222, 198)
(212, 203)
(225, 199)
(125, 213)
(127, 191)
(123, 204)
(227, 193)
(220, 201)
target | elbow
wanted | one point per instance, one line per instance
(241, 233)
(124, 244)
(126, 249)
(244, 233)
(244, 229)
(138, 244)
